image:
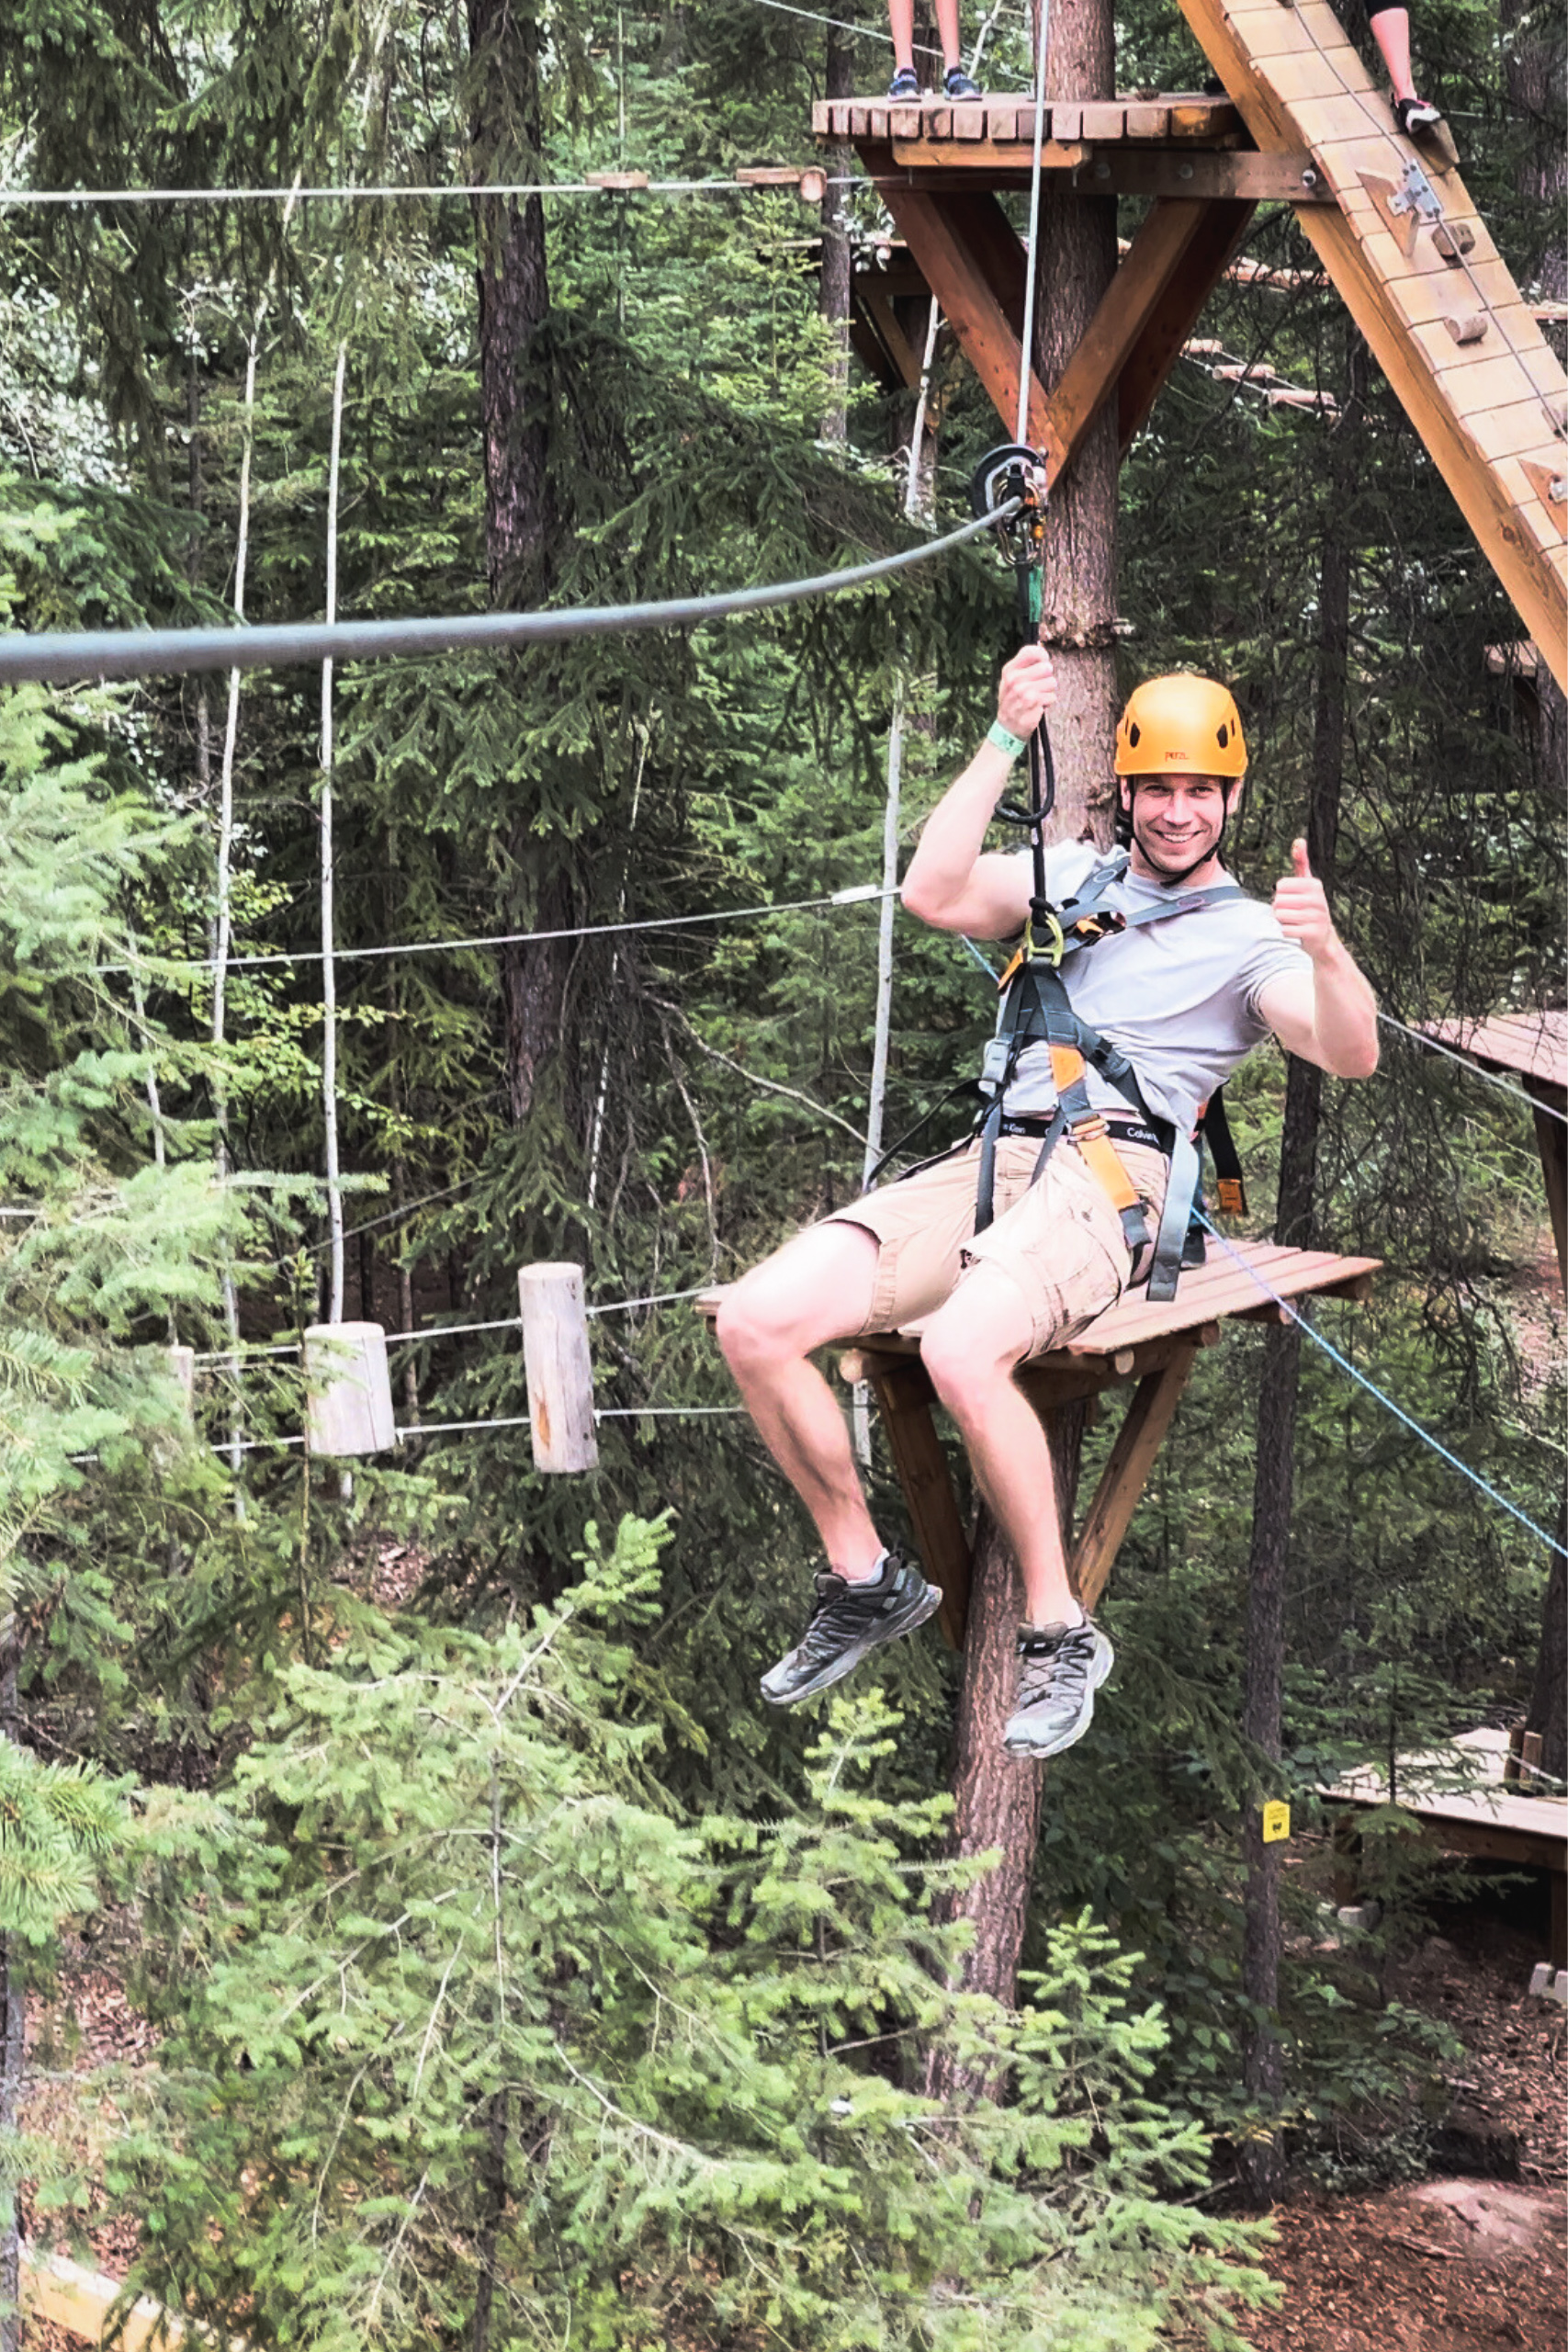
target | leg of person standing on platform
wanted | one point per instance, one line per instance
(1390, 31)
(905, 82)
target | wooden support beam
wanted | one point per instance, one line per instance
(1291, 178)
(1214, 246)
(956, 275)
(895, 342)
(1551, 1142)
(904, 1397)
(348, 1402)
(1091, 375)
(1148, 1418)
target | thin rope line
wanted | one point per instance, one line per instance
(21, 197)
(1515, 1093)
(67, 658)
(1372, 1389)
(451, 1330)
(858, 893)
(1026, 351)
(667, 1412)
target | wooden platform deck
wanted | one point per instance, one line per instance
(1392, 222)
(1493, 1819)
(1533, 1047)
(1153, 1347)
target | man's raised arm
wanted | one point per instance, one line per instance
(1332, 1018)
(952, 883)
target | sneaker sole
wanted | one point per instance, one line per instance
(895, 1630)
(1030, 1751)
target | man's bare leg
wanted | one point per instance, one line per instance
(816, 1289)
(971, 1347)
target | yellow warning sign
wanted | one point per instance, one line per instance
(1276, 1821)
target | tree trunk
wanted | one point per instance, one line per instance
(1077, 261)
(997, 1801)
(1262, 2057)
(506, 141)
(833, 292)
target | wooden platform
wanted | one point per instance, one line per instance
(1532, 1046)
(1392, 222)
(1494, 1820)
(1153, 1347)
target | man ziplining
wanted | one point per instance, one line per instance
(1010, 1243)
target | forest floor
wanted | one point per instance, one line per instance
(1451, 2263)
(1445, 2264)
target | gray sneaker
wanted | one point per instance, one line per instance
(1060, 1667)
(849, 1622)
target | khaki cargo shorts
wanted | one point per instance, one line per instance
(1059, 1240)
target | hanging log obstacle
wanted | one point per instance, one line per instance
(348, 1405)
(558, 1368)
(1393, 224)
(1152, 1349)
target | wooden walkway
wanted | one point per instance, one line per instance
(1494, 1820)
(1393, 224)
(1154, 1348)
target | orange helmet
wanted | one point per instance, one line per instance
(1181, 725)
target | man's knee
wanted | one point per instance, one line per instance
(807, 1294)
(972, 1346)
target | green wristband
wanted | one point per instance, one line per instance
(1006, 741)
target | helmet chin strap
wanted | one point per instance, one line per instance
(1174, 881)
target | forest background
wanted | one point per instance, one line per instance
(516, 1977)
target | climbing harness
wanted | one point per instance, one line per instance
(1010, 484)
(1036, 1010)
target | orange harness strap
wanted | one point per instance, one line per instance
(1092, 1135)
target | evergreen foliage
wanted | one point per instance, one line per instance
(638, 2052)
(463, 1996)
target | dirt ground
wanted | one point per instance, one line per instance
(1447, 2264)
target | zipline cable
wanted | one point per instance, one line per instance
(90, 655)
(856, 894)
(1515, 1093)
(451, 1330)
(1026, 349)
(1384, 1398)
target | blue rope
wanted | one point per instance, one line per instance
(979, 959)
(1372, 1389)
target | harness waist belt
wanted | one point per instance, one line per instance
(1124, 1130)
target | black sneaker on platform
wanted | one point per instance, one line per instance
(849, 1622)
(905, 84)
(1060, 1667)
(959, 85)
(1414, 116)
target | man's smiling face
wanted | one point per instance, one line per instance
(1177, 819)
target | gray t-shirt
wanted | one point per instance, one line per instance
(1178, 998)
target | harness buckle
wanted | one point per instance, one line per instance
(1031, 951)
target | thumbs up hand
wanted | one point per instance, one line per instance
(1301, 907)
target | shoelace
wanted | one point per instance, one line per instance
(821, 1631)
(1045, 1672)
